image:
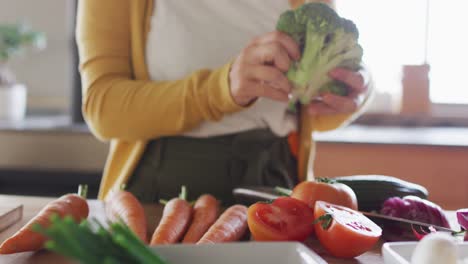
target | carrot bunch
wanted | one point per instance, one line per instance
(26, 239)
(180, 221)
(200, 224)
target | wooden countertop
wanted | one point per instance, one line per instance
(32, 205)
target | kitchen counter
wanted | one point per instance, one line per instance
(393, 135)
(398, 132)
(32, 205)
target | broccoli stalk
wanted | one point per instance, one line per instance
(327, 41)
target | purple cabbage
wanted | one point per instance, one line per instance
(462, 217)
(415, 208)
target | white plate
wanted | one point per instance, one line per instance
(401, 252)
(240, 252)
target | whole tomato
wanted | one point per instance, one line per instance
(285, 219)
(325, 190)
(345, 233)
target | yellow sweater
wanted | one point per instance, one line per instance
(122, 105)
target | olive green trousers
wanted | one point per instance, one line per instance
(214, 165)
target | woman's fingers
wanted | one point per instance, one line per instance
(271, 76)
(253, 81)
(263, 62)
(265, 90)
(333, 104)
(340, 103)
(291, 47)
(270, 54)
(320, 108)
(355, 81)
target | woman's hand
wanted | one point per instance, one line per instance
(259, 69)
(357, 84)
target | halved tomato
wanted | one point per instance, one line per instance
(345, 233)
(285, 219)
(325, 190)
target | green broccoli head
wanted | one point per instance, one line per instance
(327, 41)
(287, 23)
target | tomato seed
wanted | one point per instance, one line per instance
(358, 226)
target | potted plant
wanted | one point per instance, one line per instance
(14, 39)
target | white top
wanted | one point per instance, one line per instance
(187, 35)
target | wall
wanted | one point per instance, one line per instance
(48, 73)
(63, 151)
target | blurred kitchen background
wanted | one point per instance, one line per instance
(416, 127)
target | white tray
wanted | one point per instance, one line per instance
(401, 252)
(240, 252)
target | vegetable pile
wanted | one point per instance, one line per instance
(394, 197)
(62, 226)
(323, 207)
(200, 224)
(340, 229)
(327, 41)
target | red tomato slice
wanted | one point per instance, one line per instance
(286, 219)
(345, 233)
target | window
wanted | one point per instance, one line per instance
(448, 51)
(400, 32)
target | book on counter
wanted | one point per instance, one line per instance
(10, 214)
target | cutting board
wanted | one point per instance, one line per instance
(10, 214)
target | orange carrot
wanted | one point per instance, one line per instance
(124, 206)
(174, 221)
(229, 227)
(293, 143)
(205, 213)
(28, 240)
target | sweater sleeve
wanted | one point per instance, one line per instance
(117, 106)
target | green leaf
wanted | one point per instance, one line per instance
(14, 38)
(324, 220)
(89, 245)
